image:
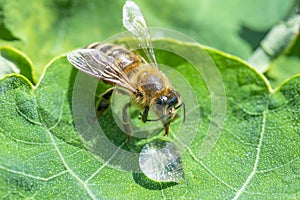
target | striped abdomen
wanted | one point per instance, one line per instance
(126, 60)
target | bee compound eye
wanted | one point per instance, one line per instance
(172, 102)
(161, 100)
(158, 101)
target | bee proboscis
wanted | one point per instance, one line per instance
(113, 64)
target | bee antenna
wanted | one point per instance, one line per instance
(153, 120)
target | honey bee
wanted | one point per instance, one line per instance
(147, 85)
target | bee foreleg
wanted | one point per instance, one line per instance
(126, 122)
(166, 126)
(145, 114)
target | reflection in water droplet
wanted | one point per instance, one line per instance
(161, 161)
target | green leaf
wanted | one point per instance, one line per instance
(278, 54)
(285, 66)
(205, 20)
(282, 69)
(13, 61)
(44, 29)
(280, 39)
(256, 156)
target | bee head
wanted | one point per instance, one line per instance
(168, 101)
(166, 105)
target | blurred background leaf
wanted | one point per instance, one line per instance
(46, 28)
(285, 66)
(13, 61)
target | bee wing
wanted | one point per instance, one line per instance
(134, 22)
(95, 63)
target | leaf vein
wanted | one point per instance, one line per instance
(206, 168)
(278, 167)
(104, 164)
(32, 176)
(251, 175)
(70, 171)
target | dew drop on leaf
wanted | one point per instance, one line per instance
(161, 161)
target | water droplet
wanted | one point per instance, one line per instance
(161, 161)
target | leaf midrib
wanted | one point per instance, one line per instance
(251, 175)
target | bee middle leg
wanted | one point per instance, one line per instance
(104, 101)
(145, 114)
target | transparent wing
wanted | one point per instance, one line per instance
(95, 63)
(134, 22)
